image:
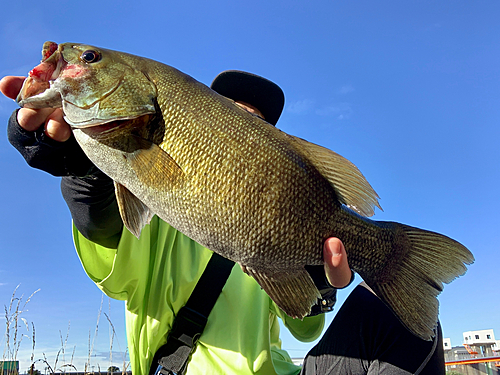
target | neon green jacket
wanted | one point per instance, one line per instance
(155, 276)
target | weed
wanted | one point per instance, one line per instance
(14, 335)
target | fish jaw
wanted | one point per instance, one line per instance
(37, 91)
(90, 93)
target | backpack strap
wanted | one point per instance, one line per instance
(191, 319)
(437, 338)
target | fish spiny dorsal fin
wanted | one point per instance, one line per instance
(351, 186)
(134, 213)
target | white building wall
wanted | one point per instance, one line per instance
(485, 336)
(496, 347)
(447, 343)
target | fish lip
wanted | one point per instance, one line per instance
(101, 126)
(48, 50)
(39, 84)
(60, 64)
(53, 61)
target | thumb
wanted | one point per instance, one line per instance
(337, 268)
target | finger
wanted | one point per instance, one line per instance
(337, 268)
(56, 128)
(29, 119)
(11, 85)
(32, 119)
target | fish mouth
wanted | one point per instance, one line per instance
(36, 91)
(51, 63)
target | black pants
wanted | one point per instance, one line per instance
(366, 338)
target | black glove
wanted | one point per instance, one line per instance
(42, 152)
(328, 292)
(89, 193)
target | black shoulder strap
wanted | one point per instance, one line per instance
(437, 340)
(191, 319)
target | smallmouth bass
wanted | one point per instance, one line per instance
(236, 184)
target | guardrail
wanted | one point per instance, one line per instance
(471, 361)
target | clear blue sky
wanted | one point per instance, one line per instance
(407, 90)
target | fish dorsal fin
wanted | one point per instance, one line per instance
(135, 214)
(351, 186)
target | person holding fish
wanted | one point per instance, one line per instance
(157, 272)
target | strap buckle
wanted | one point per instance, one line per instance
(187, 328)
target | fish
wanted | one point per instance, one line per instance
(236, 184)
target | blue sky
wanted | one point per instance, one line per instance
(408, 91)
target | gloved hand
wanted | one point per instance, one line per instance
(43, 138)
(42, 152)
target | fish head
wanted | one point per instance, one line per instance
(92, 85)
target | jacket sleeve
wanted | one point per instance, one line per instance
(88, 192)
(93, 206)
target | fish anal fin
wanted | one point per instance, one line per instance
(351, 186)
(135, 214)
(293, 290)
(155, 167)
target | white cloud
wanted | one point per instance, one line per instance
(338, 110)
(342, 111)
(300, 106)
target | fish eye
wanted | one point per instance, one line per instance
(90, 56)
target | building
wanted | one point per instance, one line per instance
(481, 341)
(447, 344)
(456, 353)
(476, 356)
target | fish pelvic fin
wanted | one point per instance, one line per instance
(293, 290)
(412, 287)
(351, 186)
(135, 214)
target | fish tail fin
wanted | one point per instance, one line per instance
(429, 260)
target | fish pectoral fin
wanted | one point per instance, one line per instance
(155, 167)
(351, 186)
(135, 214)
(292, 290)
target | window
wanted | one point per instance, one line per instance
(488, 337)
(477, 337)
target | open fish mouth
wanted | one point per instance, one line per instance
(51, 64)
(37, 91)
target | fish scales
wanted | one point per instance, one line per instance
(235, 183)
(217, 123)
